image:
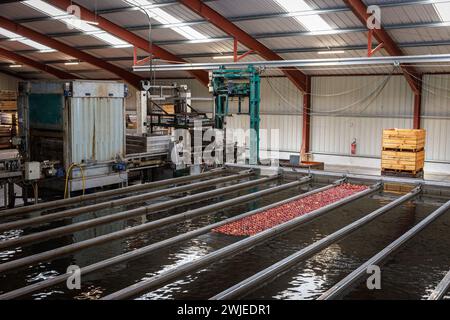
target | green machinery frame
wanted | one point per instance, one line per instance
(240, 83)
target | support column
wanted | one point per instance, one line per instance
(417, 108)
(306, 132)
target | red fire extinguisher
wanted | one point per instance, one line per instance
(353, 147)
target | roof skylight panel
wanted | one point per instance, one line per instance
(164, 17)
(15, 37)
(313, 22)
(443, 9)
(76, 23)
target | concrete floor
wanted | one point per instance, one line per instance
(443, 177)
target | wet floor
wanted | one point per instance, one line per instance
(409, 274)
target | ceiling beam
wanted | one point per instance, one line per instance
(12, 74)
(411, 74)
(37, 65)
(131, 78)
(197, 6)
(129, 37)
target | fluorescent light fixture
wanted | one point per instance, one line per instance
(72, 63)
(331, 52)
(223, 57)
(443, 9)
(121, 46)
(47, 51)
(313, 22)
(15, 37)
(94, 23)
(16, 66)
(88, 27)
(165, 18)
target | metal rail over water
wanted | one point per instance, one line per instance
(124, 201)
(343, 286)
(135, 254)
(108, 194)
(259, 279)
(269, 274)
(235, 248)
(120, 202)
(123, 215)
(61, 251)
(442, 288)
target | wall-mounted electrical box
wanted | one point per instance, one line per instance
(32, 171)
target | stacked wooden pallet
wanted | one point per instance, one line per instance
(8, 117)
(8, 100)
(403, 152)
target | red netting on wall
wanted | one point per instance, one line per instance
(267, 219)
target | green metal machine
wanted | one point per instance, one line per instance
(241, 84)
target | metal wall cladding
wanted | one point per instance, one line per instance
(437, 147)
(97, 129)
(436, 96)
(8, 82)
(287, 127)
(363, 96)
(436, 116)
(334, 135)
(348, 108)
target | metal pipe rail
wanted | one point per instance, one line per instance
(135, 254)
(390, 60)
(124, 215)
(110, 193)
(48, 255)
(441, 289)
(345, 284)
(231, 250)
(269, 274)
(119, 202)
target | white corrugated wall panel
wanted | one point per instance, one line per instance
(436, 116)
(363, 116)
(97, 129)
(334, 135)
(436, 96)
(288, 126)
(360, 95)
(437, 146)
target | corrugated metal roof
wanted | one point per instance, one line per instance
(406, 14)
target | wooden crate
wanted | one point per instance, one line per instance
(8, 105)
(8, 95)
(404, 139)
(411, 162)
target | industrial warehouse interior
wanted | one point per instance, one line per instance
(243, 151)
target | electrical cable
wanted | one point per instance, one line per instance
(375, 93)
(83, 178)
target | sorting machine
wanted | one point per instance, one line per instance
(73, 136)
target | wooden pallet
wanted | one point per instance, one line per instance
(402, 173)
(404, 140)
(8, 95)
(8, 105)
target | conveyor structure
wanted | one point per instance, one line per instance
(228, 187)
